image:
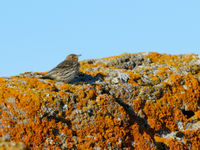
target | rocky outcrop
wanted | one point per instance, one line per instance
(140, 101)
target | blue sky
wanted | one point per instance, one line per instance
(35, 35)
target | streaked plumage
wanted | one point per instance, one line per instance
(66, 71)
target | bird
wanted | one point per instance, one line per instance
(66, 71)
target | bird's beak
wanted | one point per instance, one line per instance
(79, 55)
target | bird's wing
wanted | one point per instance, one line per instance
(66, 64)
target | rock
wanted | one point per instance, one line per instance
(8, 145)
(130, 101)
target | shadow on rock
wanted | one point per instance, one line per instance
(87, 78)
(142, 122)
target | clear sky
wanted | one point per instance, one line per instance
(35, 35)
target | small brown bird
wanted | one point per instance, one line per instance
(66, 71)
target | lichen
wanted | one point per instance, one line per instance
(130, 101)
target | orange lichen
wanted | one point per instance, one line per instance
(140, 140)
(112, 57)
(160, 113)
(42, 113)
(163, 71)
(30, 100)
(134, 77)
(170, 60)
(172, 144)
(137, 105)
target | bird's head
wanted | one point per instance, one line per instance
(72, 57)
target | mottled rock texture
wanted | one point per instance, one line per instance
(7, 145)
(132, 101)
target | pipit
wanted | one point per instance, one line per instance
(66, 71)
